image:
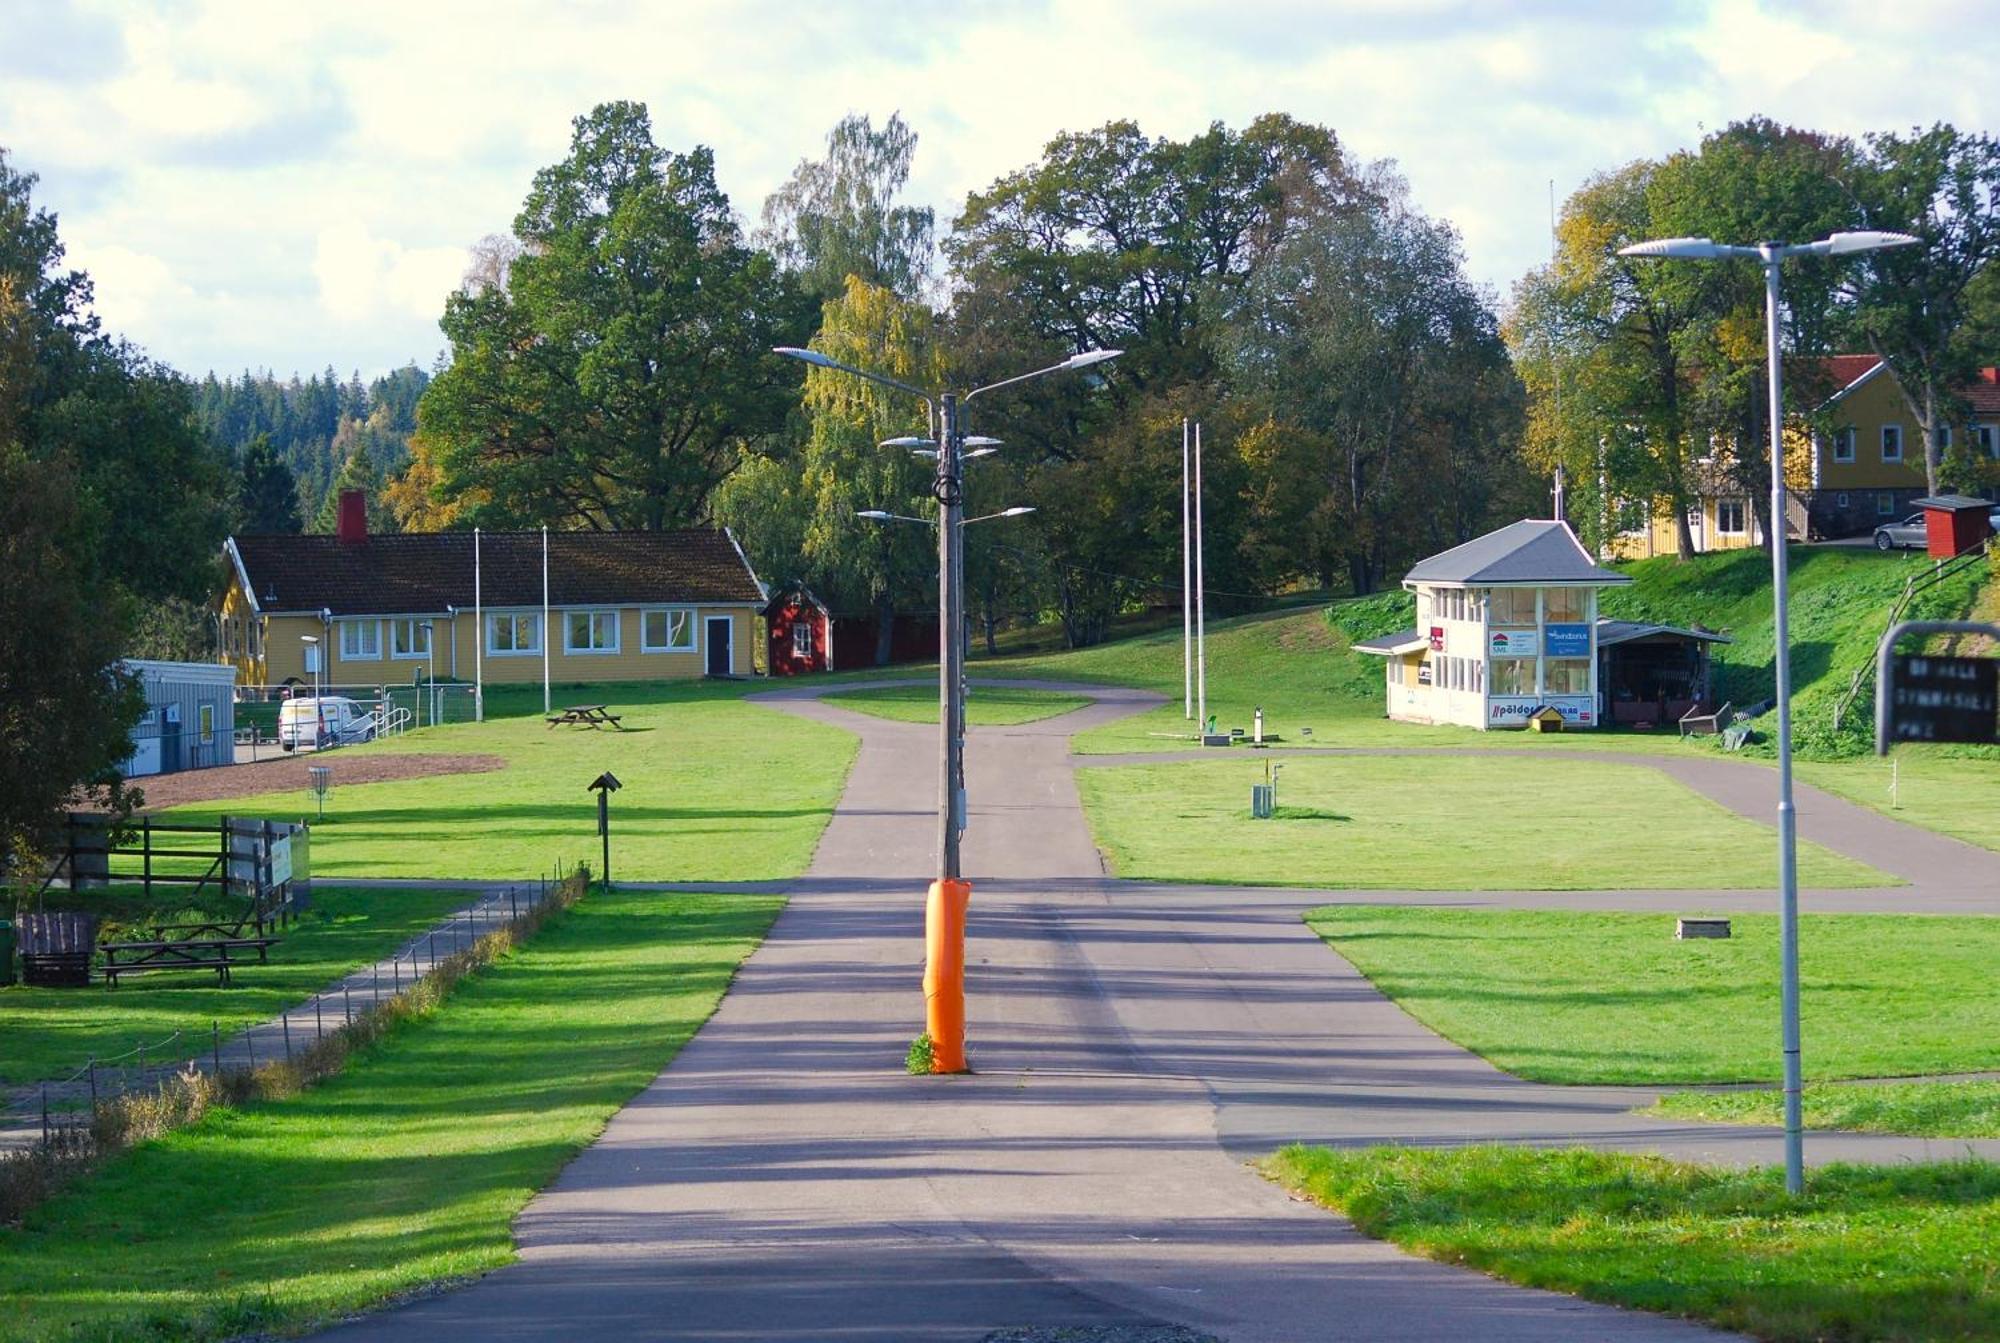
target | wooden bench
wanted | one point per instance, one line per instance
(217, 954)
(586, 715)
(55, 949)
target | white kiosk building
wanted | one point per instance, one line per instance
(1506, 624)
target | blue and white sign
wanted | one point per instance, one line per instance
(1566, 641)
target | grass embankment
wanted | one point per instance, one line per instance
(1613, 998)
(1901, 1252)
(405, 1169)
(1915, 1109)
(985, 705)
(1413, 822)
(714, 790)
(51, 1032)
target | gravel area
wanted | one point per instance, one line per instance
(289, 774)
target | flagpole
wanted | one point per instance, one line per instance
(547, 633)
(1187, 594)
(1200, 596)
(478, 636)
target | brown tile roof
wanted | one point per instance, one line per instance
(427, 572)
(1982, 393)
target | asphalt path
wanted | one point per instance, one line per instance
(1134, 1045)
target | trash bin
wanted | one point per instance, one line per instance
(6, 952)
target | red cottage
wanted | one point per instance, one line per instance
(800, 632)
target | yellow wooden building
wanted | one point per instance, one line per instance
(615, 606)
(1862, 468)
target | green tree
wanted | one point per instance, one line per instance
(267, 496)
(66, 711)
(837, 217)
(1914, 306)
(610, 372)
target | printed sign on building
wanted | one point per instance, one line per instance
(1513, 643)
(1437, 638)
(1514, 710)
(1566, 641)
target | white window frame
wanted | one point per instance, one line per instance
(1987, 436)
(515, 619)
(802, 639)
(1944, 438)
(413, 627)
(353, 647)
(1843, 444)
(669, 612)
(1885, 505)
(1840, 500)
(591, 618)
(1742, 511)
(205, 719)
(1892, 431)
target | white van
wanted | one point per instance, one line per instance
(340, 721)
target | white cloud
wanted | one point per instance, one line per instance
(244, 177)
(362, 276)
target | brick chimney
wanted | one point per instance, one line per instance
(351, 528)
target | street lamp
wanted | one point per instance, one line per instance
(1770, 255)
(944, 910)
(311, 641)
(430, 685)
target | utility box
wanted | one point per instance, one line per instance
(1262, 801)
(1954, 524)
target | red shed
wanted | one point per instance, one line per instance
(1955, 523)
(800, 632)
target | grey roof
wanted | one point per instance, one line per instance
(1389, 643)
(1611, 632)
(1533, 550)
(1953, 502)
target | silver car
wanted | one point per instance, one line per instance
(1909, 532)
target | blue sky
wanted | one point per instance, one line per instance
(287, 186)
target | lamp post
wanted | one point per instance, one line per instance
(1771, 255)
(431, 675)
(311, 641)
(944, 911)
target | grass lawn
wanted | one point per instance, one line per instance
(1499, 821)
(1955, 791)
(985, 706)
(715, 789)
(1916, 1109)
(51, 1032)
(405, 1169)
(1902, 1252)
(1556, 996)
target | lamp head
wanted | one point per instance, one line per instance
(813, 357)
(872, 514)
(1865, 240)
(1017, 511)
(1698, 249)
(981, 441)
(1089, 357)
(913, 441)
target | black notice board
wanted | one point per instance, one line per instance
(1945, 699)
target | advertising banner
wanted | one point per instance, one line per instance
(1437, 638)
(1513, 643)
(1513, 710)
(1567, 641)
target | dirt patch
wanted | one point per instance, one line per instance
(289, 775)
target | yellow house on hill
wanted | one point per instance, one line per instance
(614, 606)
(1845, 481)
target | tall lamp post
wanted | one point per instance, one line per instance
(311, 641)
(944, 910)
(1771, 255)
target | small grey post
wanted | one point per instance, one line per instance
(285, 1021)
(319, 1029)
(347, 1004)
(250, 1044)
(91, 1068)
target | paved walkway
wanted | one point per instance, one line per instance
(1134, 1044)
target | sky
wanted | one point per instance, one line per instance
(291, 187)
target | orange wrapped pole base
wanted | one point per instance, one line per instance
(944, 973)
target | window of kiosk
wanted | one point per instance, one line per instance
(1513, 606)
(1567, 676)
(1513, 676)
(1565, 605)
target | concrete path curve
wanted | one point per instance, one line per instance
(1134, 1043)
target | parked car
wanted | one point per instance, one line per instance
(1907, 533)
(330, 720)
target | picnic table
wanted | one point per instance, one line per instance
(216, 953)
(586, 715)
